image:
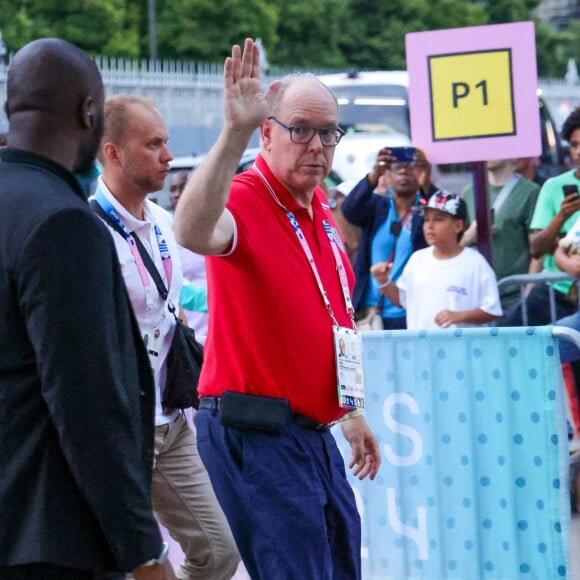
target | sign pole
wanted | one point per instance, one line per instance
(482, 213)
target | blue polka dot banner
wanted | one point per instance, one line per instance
(472, 430)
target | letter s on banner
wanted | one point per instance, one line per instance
(396, 427)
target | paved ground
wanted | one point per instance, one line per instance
(241, 574)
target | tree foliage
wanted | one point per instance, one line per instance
(375, 35)
(313, 34)
(98, 26)
(310, 33)
(206, 29)
(501, 11)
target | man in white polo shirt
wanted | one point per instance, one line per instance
(135, 161)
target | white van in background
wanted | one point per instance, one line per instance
(374, 112)
(373, 109)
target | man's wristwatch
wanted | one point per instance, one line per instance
(161, 559)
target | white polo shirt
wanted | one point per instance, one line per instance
(158, 317)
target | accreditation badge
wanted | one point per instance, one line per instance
(349, 370)
(152, 341)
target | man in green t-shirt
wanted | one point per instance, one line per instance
(553, 217)
(512, 199)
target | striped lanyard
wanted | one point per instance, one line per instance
(162, 244)
(308, 253)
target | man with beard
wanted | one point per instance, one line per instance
(135, 159)
(76, 396)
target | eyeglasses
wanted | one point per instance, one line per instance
(303, 134)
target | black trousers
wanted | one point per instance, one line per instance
(53, 572)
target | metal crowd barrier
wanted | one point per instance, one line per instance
(522, 280)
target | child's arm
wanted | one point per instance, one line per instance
(446, 318)
(381, 272)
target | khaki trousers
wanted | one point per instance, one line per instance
(185, 503)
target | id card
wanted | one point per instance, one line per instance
(152, 341)
(349, 370)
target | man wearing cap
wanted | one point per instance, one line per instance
(444, 285)
(391, 232)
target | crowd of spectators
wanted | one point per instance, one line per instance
(533, 231)
(85, 337)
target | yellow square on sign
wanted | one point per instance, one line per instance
(471, 95)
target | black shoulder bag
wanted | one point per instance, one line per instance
(185, 357)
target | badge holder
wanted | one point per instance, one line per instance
(152, 342)
(349, 368)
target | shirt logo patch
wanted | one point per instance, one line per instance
(457, 290)
(337, 239)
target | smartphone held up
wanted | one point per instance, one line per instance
(571, 191)
(403, 154)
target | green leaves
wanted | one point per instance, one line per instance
(205, 30)
(311, 34)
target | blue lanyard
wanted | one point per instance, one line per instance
(166, 260)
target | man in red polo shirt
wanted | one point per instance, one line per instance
(279, 281)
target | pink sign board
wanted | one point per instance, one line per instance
(472, 92)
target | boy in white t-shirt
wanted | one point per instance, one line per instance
(444, 285)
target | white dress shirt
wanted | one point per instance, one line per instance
(158, 317)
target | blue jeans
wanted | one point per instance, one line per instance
(399, 323)
(569, 352)
(287, 500)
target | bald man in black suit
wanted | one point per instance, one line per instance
(76, 394)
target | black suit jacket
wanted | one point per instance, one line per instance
(76, 392)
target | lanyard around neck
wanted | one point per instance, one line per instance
(308, 253)
(505, 191)
(166, 260)
(396, 231)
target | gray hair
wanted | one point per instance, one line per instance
(287, 80)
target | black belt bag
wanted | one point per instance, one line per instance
(268, 414)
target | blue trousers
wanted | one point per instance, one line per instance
(286, 498)
(399, 323)
(568, 350)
